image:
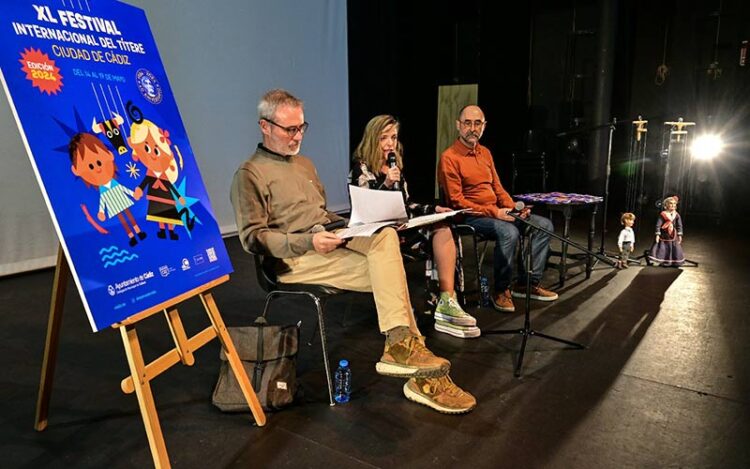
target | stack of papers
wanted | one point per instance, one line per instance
(375, 209)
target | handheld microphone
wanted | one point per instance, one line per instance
(334, 225)
(517, 208)
(391, 161)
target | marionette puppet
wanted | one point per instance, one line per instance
(626, 239)
(667, 250)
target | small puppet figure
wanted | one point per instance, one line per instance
(667, 250)
(626, 240)
(92, 161)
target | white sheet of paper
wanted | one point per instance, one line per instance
(372, 206)
(430, 219)
(366, 229)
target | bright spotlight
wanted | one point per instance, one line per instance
(707, 147)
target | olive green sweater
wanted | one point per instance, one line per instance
(277, 200)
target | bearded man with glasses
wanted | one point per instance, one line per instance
(469, 180)
(280, 208)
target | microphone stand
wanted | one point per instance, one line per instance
(526, 331)
(611, 125)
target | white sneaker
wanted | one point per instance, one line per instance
(462, 332)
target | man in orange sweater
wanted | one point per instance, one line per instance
(468, 177)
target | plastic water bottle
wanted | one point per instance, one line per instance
(484, 290)
(343, 382)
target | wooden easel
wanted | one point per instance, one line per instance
(142, 373)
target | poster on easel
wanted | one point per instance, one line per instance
(110, 152)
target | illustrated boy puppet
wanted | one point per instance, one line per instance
(92, 161)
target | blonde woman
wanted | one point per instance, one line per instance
(371, 169)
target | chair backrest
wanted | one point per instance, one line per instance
(265, 274)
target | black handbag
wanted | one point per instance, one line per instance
(269, 356)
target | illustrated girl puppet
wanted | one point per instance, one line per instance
(151, 146)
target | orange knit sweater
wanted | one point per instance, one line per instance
(469, 180)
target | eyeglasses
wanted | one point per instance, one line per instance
(292, 130)
(477, 123)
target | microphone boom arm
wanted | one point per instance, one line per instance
(593, 254)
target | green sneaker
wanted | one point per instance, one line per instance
(449, 310)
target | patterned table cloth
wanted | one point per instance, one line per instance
(559, 198)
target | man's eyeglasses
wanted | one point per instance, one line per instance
(292, 130)
(477, 123)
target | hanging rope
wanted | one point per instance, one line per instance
(714, 71)
(635, 166)
(662, 70)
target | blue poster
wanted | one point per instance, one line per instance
(106, 141)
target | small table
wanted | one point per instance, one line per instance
(566, 203)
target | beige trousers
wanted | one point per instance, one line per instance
(365, 264)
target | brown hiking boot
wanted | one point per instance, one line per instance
(537, 293)
(411, 359)
(441, 394)
(503, 302)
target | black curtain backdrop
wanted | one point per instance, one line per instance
(400, 52)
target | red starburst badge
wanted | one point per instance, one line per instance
(41, 71)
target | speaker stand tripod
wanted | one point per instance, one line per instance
(527, 331)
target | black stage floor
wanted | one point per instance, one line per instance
(664, 381)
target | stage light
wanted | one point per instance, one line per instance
(707, 147)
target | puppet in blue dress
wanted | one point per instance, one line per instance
(667, 250)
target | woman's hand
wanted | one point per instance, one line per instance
(392, 176)
(439, 209)
(657, 238)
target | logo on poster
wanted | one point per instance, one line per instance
(111, 290)
(148, 85)
(41, 71)
(185, 264)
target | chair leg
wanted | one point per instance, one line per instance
(319, 325)
(324, 346)
(459, 279)
(479, 261)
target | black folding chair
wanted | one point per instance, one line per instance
(317, 293)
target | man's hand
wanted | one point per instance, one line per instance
(503, 215)
(325, 242)
(138, 193)
(439, 209)
(657, 238)
(392, 176)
